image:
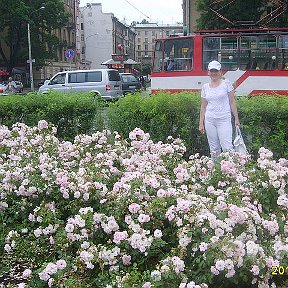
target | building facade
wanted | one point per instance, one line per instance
(102, 35)
(145, 39)
(190, 16)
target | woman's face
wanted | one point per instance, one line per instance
(215, 74)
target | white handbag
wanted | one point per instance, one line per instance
(238, 142)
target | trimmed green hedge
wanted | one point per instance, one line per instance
(72, 114)
(264, 120)
(160, 115)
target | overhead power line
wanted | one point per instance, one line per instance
(137, 9)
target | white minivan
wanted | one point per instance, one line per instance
(103, 82)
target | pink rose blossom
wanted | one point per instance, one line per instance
(126, 260)
(214, 271)
(61, 264)
(26, 273)
(255, 270)
(42, 124)
(157, 233)
(134, 208)
(142, 218)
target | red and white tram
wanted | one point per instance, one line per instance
(255, 60)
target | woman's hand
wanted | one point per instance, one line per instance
(201, 128)
(237, 123)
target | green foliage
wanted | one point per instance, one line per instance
(263, 120)
(145, 69)
(15, 16)
(160, 115)
(72, 114)
(236, 11)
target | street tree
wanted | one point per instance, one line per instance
(14, 17)
(239, 12)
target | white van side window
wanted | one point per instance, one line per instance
(94, 76)
(77, 77)
(81, 77)
(59, 79)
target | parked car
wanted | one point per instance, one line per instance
(103, 82)
(130, 83)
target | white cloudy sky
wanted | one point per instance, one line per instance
(161, 11)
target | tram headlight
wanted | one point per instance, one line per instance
(273, 57)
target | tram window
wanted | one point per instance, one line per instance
(178, 54)
(258, 52)
(222, 49)
(283, 52)
(158, 54)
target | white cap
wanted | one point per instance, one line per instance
(214, 65)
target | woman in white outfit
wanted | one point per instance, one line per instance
(215, 116)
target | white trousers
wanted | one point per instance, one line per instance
(219, 134)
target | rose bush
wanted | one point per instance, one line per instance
(107, 212)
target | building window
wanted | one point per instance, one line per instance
(146, 40)
(146, 33)
(82, 37)
(82, 26)
(167, 33)
(139, 40)
(139, 47)
(153, 33)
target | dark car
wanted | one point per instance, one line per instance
(130, 83)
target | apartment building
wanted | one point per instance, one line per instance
(146, 34)
(102, 35)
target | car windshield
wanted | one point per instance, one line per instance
(129, 78)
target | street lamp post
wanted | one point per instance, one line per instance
(30, 61)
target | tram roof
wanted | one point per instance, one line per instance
(242, 31)
(230, 31)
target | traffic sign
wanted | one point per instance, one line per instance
(69, 54)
